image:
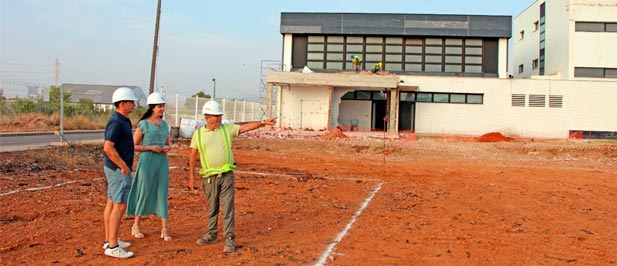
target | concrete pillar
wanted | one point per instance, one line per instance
(393, 114)
(269, 100)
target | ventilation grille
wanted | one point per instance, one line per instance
(537, 100)
(555, 101)
(518, 100)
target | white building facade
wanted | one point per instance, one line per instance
(566, 39)
(444, 74)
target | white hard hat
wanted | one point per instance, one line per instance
(155, 98)
(212, 108)
(123, 94)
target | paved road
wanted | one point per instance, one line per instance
(36, 140)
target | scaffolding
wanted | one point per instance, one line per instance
(268, 65)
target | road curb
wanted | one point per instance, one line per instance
(40, 133)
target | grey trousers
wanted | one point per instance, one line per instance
(220, 192)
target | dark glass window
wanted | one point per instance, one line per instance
(589, 26)
(589, 72)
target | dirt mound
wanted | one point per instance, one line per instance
(494, 137)
(336, 133)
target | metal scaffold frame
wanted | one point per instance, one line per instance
(268, 65)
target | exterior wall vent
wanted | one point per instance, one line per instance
(537, 100)
(555, 101)
(518, 100)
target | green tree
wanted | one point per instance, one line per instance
(54, 95)
(202, 94)
(85, 107)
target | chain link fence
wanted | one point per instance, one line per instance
(21, 98)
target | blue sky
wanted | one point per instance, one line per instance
(110, 41)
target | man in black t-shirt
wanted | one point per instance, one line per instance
(119, 150)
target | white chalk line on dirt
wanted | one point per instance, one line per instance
(36, 188)
(290, 176)
(342, 234)
(42, 188)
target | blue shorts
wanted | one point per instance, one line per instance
(118, 185)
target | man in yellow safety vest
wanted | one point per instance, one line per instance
(211, 144)
(356, 62)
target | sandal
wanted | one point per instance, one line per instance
(165, 234)
(136, 233)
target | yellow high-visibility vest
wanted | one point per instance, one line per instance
(207, 171)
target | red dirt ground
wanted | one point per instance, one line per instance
(433, 203)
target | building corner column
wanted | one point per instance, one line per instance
(393, 113)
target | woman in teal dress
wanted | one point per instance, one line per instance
(151, 181)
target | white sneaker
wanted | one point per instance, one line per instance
(118, 252)
(121, 243)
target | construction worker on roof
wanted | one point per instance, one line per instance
(356, 61)
(376, 68)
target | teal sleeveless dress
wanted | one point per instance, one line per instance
(151, 181)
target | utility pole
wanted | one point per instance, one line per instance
(56, 83)
(56, 72)
(155, 47)
(214, 91)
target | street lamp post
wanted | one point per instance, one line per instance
(214, 91)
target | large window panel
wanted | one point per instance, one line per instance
(432, 67)
(432, 58)
(315, 48)
(473, 60)
(453, 68)
(454, 59)
(610, 73)
(413, 49)
(355, 39)
(394, 58)
(474, 42)
(413, 58)
(413, 67)
(335, 39)
(589, 26)
(475, 98)
(415, 41)
(433, 41)
(433, 50)
(394, 49)
(373, 57)
(393, 67)
(335, 56)
(440, 97)
(473, 51)
(314, 38)
(424, 97)
(457, 98)
(374, 40)
(374, 48)
(454, 41)
(473, 69)
(335, 47)
(334, 65)
(407, 97)
(588, 72)
(454, 50)
(394, 40)
(314, 65)
(314, 56)
(354, 48)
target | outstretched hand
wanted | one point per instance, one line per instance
(270, 121)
